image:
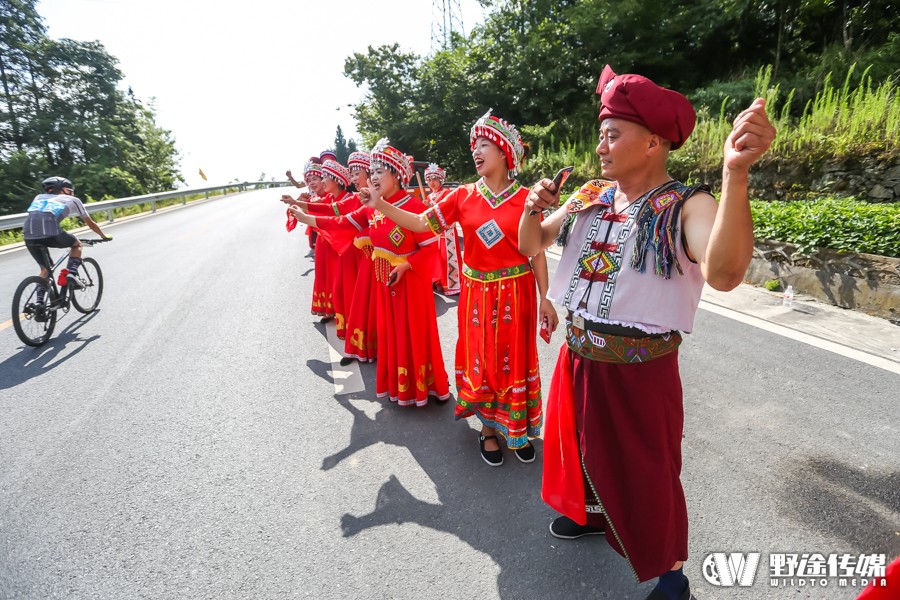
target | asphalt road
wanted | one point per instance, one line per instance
(186, 441)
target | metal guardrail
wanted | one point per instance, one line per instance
(108, 206)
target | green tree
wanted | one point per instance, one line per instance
(62, 112)
(340, 146)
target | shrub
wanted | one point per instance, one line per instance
(842, 224)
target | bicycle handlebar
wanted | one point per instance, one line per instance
(94, 241)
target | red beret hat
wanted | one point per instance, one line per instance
(635, 98)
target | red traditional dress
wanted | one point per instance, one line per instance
(497, 375)
(448, 252)
(346, 265)
(322, 300)
(362, 324)
(410, 363)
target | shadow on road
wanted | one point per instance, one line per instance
(32, 362)
(497, 511)
(444, 303)
(859, 506)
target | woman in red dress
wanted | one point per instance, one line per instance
(497, 375)
(362, 323)
(410, 363)
(322, 305)
(448, 242)
(336, 178)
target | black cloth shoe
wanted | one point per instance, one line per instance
(525, 453)
(347, 360)
(492, 457)
(565, 528)
(656, 594)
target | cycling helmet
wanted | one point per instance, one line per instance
(55, 185)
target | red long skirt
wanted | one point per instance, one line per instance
(623, 423)
(344, 284)
(497, 375)
(333, 281)
(362, 323)
(410, 362)
(322, 303)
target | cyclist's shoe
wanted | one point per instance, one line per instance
(39, 312)
(74, 282)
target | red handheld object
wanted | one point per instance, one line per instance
(545, 330)
(291, 221)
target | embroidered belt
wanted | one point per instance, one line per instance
(505, 273)
(607, 328)
(605, 347)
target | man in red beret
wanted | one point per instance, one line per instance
(637, 248)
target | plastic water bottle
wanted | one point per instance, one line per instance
(788, 297)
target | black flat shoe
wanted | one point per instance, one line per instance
(655, 594)
(525, 453)
(492, 457)
(565, 528)
(346, 361)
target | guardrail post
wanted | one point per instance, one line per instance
(109, 214)
(184, 198)
(207, 194)
(153, 205)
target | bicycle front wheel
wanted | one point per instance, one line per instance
(86, 299)
(33, 321)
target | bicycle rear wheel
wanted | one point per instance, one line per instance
(86, 300)
(33, 320)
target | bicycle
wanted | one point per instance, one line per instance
(34, 321)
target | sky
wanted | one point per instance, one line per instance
(246, 88)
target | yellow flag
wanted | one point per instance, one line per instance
(202, 174)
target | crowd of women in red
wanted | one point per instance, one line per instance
(381, 251)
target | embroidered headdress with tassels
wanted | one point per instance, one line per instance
(312, 168)
(435, 172)
(358, 160)
(336, 171)
(502, 133)
(386, 156)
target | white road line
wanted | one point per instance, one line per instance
(865, 357)
(347, 380)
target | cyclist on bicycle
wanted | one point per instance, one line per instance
(42, 226)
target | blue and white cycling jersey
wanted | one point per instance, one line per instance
(47, 211)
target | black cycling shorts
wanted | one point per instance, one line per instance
(37, 246)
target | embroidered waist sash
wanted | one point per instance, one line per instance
(505, 273)
(604, 347)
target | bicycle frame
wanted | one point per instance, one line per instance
(60, 293)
